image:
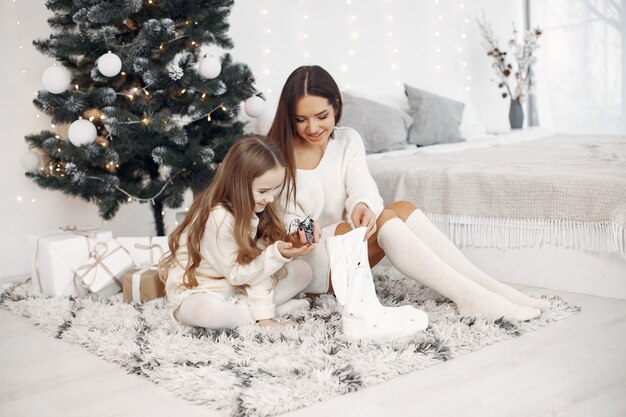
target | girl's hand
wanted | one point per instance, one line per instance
(274, 323)
(289, 251)
(298, 239)
(363, 216)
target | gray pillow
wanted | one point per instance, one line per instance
(383, 128)
(436, 119)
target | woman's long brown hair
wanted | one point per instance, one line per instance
(248, 158)
(311, 80)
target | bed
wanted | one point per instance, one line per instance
(529, 207)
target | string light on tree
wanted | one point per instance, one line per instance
(109, 64)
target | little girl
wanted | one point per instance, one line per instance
(228, 264)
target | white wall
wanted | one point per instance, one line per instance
(334, 28)
(324, 32)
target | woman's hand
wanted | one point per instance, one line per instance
(288, 250)
(317, 233)
(363, 216)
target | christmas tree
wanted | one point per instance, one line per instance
(150, 113)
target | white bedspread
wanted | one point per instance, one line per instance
(516, 190)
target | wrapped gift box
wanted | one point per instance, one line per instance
(103, 271)
(144, 250)
(142, 284)
(56, 256)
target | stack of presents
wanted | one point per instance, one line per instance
(75, 262)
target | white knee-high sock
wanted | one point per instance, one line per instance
(415, 259)
(421, 226)
(292, 306)
(298, 277)
(212, 312)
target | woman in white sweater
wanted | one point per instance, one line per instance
(229, 265)
(328, 179)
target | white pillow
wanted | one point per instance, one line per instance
(436, 118)
(382, 127)
(471, 128)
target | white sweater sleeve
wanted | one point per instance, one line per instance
(220, 249)
(360, 186)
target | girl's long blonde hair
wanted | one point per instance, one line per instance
(248, 158)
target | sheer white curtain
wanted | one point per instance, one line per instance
(581, 71)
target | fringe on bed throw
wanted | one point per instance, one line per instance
(518, 233)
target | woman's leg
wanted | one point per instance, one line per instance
(439, 243)
(414, 258)
(212, 312)
(298, 276)
(374, 252)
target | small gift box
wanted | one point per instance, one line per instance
(56, 256)
(306, 225)
(144, 250)
(102, 272)
(142, 284)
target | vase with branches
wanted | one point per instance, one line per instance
(513, 67)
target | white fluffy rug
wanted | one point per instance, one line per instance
(252, 371)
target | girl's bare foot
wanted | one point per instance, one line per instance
(274, 323)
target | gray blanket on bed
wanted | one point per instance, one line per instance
(563, 178)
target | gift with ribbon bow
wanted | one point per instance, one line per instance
(144, 250)
(57, 255)
(103, 271)
(142, 284)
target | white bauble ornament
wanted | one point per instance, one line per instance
(109, 64)
(210, 67)
(254, 106)
(30, 161)
(82, 132)
(56, 79)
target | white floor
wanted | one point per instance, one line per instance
(575, 367)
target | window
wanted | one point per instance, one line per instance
(580, 71)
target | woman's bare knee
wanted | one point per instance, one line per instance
(385, 216)
(402, 209)
(342, 228)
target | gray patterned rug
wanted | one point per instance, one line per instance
(251, 371)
